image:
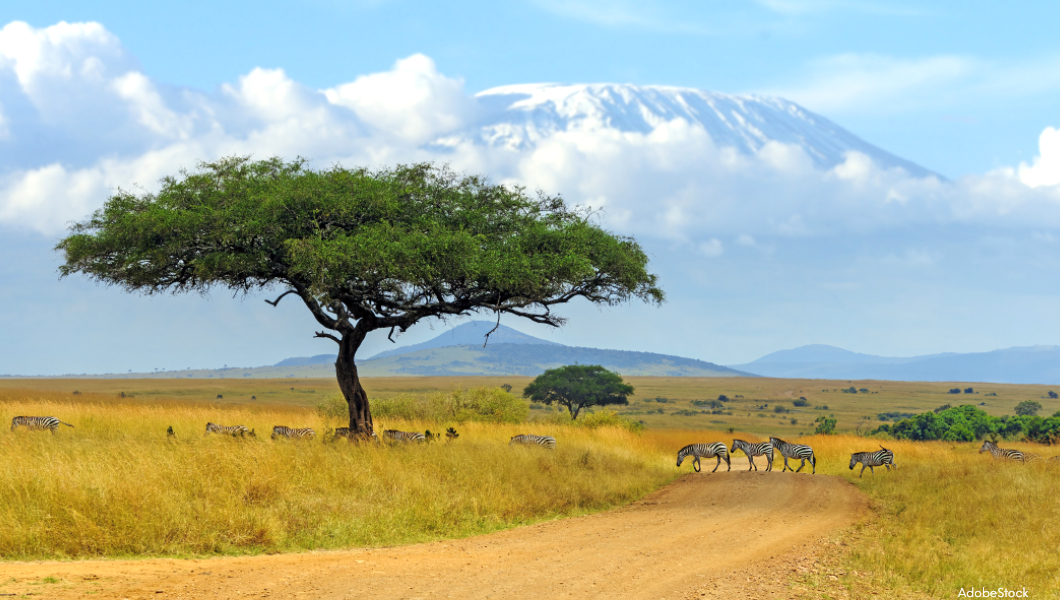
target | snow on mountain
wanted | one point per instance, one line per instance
(518, 117)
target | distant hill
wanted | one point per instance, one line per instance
(1027, 364)
(533, 359)
(459, 351)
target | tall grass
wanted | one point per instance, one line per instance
(117, 485)
(950, 518)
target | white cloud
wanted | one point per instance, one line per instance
(1045, 170)
(109, 125)
(413, 102)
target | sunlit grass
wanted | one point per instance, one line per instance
(950, 518)
(117, 485)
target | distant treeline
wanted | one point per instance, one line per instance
(968, 423)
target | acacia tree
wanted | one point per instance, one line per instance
(363, 250)
(578, 386)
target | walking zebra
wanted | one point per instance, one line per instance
(546, 441)
(344, 432)
(305, 433)
(34, 423)
(996, 452)
(800, 451)
(753, 450)
(711, 450)
(882, 457)
(394, 435)
(232, 430)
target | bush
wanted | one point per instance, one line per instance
(969, 391)
(955, 391)
(781, 409)
(482, 404)
(825, 425)
(600, 418)
(334, 407)
(801, 402)
(1052, 395)
(1028, 408)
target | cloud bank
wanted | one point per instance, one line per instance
(79, 119)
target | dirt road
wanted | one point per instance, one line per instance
(732, 535)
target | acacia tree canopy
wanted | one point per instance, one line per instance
(578, 386)
(363, 250)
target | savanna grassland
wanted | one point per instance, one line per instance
(116, 485)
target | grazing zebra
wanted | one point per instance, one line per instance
(753, 450)
(305, 433)
(800, 451)
(996, 452)
(711, 450)
(394, 435)
(882, 457)
(232, 430)
(50, 423)
(546, 441)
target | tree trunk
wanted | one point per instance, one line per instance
(350, 384)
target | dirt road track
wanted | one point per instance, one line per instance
(732, 535)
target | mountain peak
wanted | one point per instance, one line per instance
(521, 116)
(473, 332)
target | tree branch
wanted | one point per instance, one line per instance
(324, 334)
(277, 301)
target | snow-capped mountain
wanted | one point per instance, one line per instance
(520, 116)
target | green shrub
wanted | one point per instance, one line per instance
(483, 404)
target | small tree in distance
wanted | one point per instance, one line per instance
(577, 387)
(1028, 408)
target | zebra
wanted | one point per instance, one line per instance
(882, 457)
(546, 441)
(711, 450)
(753, 450)
(800, 451)
(996, 452)
(232, 430)
(305, 433)
(34, 423)
(394, 435)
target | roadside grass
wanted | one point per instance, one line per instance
(948, 519)
(116, 485)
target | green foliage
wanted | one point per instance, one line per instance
(968, 423)
(483, 404)
(609, 418)
(1028, 407)
(801, 402)
(825, 425)
(849, 390)
(334, 407)
(577, 387)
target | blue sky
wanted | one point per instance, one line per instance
(964, 89)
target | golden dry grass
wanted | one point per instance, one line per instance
(116, 485)
(949, 518)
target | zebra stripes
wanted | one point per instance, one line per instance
(306, 433)
(799, 451)
(393, 435)
(882, 457)
(753, 450)
(711, 450)
(546, 441)
(37, 423)
(1004, 453)
(232, 430)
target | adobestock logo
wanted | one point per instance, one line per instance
(998, 593)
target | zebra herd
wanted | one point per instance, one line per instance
(305, 433)
(882, 457)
